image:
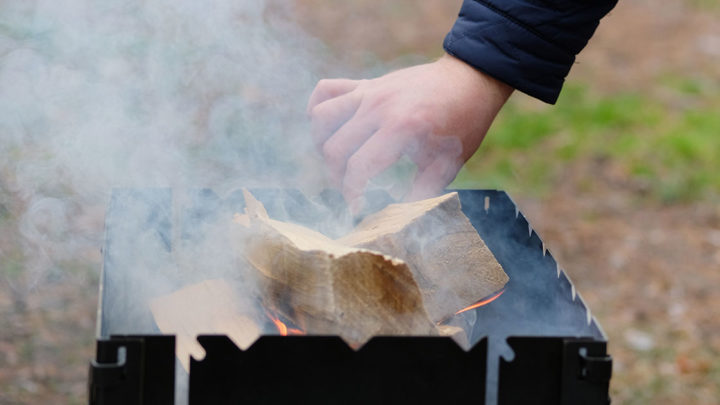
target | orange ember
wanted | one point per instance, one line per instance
(482, 302)
(282, 328)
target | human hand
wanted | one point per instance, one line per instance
(437, 114)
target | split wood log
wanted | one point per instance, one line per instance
(209, 307)
(450, 261)
(456, 333)
(328, 288)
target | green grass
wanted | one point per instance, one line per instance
(669, 147)
(708, 5)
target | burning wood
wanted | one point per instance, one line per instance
(330, 288)
(405, 270)
(400, 266)
(449, 259)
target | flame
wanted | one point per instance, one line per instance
(482, 302)
(282, 327)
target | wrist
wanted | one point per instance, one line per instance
(496, 91)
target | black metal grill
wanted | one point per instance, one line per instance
(536, 344)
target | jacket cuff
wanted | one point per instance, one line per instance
(497, 44)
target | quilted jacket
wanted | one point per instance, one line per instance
(528, 44)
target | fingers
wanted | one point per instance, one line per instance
(343, 143)
(330, 88)
(432, 179)
(330, 115)
(383, 149)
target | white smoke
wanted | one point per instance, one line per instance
(158, 93)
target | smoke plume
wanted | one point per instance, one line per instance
(100, 95)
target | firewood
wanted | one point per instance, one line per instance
(458, 334)
(209, 307)
(328, 288)
(450, 261)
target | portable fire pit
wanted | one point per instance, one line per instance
(536, 343)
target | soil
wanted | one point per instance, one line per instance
(650, 274)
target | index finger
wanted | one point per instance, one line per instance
(330, 88)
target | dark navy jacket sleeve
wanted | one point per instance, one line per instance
(528, 44)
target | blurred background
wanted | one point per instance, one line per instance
(620, 179)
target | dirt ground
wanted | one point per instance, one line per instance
(649, 271)
(650, 274)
